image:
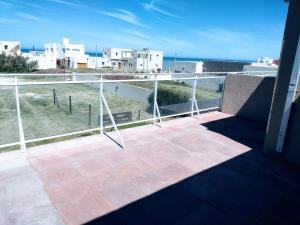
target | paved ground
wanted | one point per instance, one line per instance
(22, 198)
(191, 171)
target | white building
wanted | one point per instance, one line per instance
(67, 55)
(117, 56)
(98, 62)
(145, 60)
(10, 47)
(134, 60)
(262, 64)
(44, 61)
(187, 67)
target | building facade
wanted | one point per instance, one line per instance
(67, 55)
(187, 67)
(134, 60)
(44, 61)
(10, 47)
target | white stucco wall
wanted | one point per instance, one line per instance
(10, 47)
(186, 67)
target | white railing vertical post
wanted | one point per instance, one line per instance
(155, 105)
(222, 94)
(21, 132)
(194, 99)
(101, 105)
(112, 120)
(154, 99)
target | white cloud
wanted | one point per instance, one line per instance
(123, 15)
(64, 2)
(5, 21)
(31, 5)
(176, 42)
(152, 6)
(140, 35)
(30, 17)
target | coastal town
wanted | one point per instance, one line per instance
(67, 55)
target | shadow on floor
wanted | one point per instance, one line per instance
(248, 189)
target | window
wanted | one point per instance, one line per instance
(51, 49)
(116, 53)
(141, 64)
(139, 55)
(76, 50)
(5, 47)
(64, 50)
(150, 57)
(157, 55)
(67, 49)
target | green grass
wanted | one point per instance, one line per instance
(41, 118)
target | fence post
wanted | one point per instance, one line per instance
(154, 99)
(70, 104)
(155, 105)
(21, 132)
(101, 105)
(90, 115)
(222, 95)
(54, 97)
(194, 99)
(139, 116)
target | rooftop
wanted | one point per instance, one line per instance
(205, 170)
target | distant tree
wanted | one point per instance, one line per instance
(16, 64)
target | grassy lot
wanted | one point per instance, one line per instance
(41, 118)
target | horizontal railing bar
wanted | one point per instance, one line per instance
(61, 135)
(121, 74)
(189, 112)
(107, 81)
(97, 129)
(10, 144)
(111, 126)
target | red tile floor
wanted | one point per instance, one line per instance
(91, 179)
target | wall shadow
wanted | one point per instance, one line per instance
(248, 189)
(247, 132)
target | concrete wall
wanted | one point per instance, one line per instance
(291, 150)
(248, 96)
(121, 89)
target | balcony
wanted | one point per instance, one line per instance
(200, 169)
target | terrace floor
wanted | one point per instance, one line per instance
(208, 171)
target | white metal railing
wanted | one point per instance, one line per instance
(103, 102)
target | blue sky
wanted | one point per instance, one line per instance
(232, 29)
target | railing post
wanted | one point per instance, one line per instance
(154, 99)
(113, 121)
(194, 99)
(155, 105)
(21, 132)
(70, 104)
(101, 105)
(222, 95)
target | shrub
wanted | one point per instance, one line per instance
(16, 64)
(168, 96)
